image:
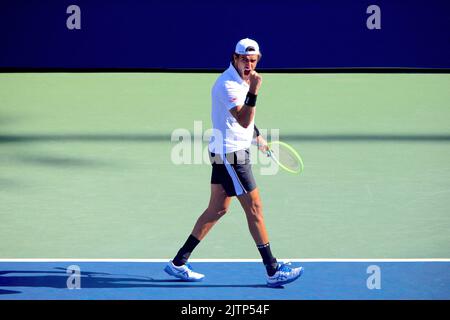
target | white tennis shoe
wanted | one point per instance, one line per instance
(183, 272)
(284, 275)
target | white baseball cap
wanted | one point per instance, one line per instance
(247, 46)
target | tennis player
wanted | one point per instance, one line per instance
(234, 96)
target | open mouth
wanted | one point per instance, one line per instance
(247, 72)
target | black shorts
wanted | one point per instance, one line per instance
(233, 172)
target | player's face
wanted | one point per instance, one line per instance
(245, 63)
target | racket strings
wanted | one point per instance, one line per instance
(286, 156)
(288, 159)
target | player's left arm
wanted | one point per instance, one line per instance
(260, 141)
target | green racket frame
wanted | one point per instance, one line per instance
(294, 152)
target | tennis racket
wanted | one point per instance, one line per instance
(285, 156)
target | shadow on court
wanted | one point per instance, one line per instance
(8, 183)
(149, 138)
(97, 280)
(8, 292)
(59, 161)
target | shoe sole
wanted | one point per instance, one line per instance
(169, 271)
(279, 284)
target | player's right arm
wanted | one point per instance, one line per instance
(244, 114)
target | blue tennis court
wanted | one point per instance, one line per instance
(322, 280)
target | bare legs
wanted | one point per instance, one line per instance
(252, 205)
(218, 206)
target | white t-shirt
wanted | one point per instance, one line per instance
(228, 135)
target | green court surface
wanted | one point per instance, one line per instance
(86, 171)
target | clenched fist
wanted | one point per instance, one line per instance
(255, 81)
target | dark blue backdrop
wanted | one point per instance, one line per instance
(202, 34)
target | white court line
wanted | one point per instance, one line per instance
(223, 260)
